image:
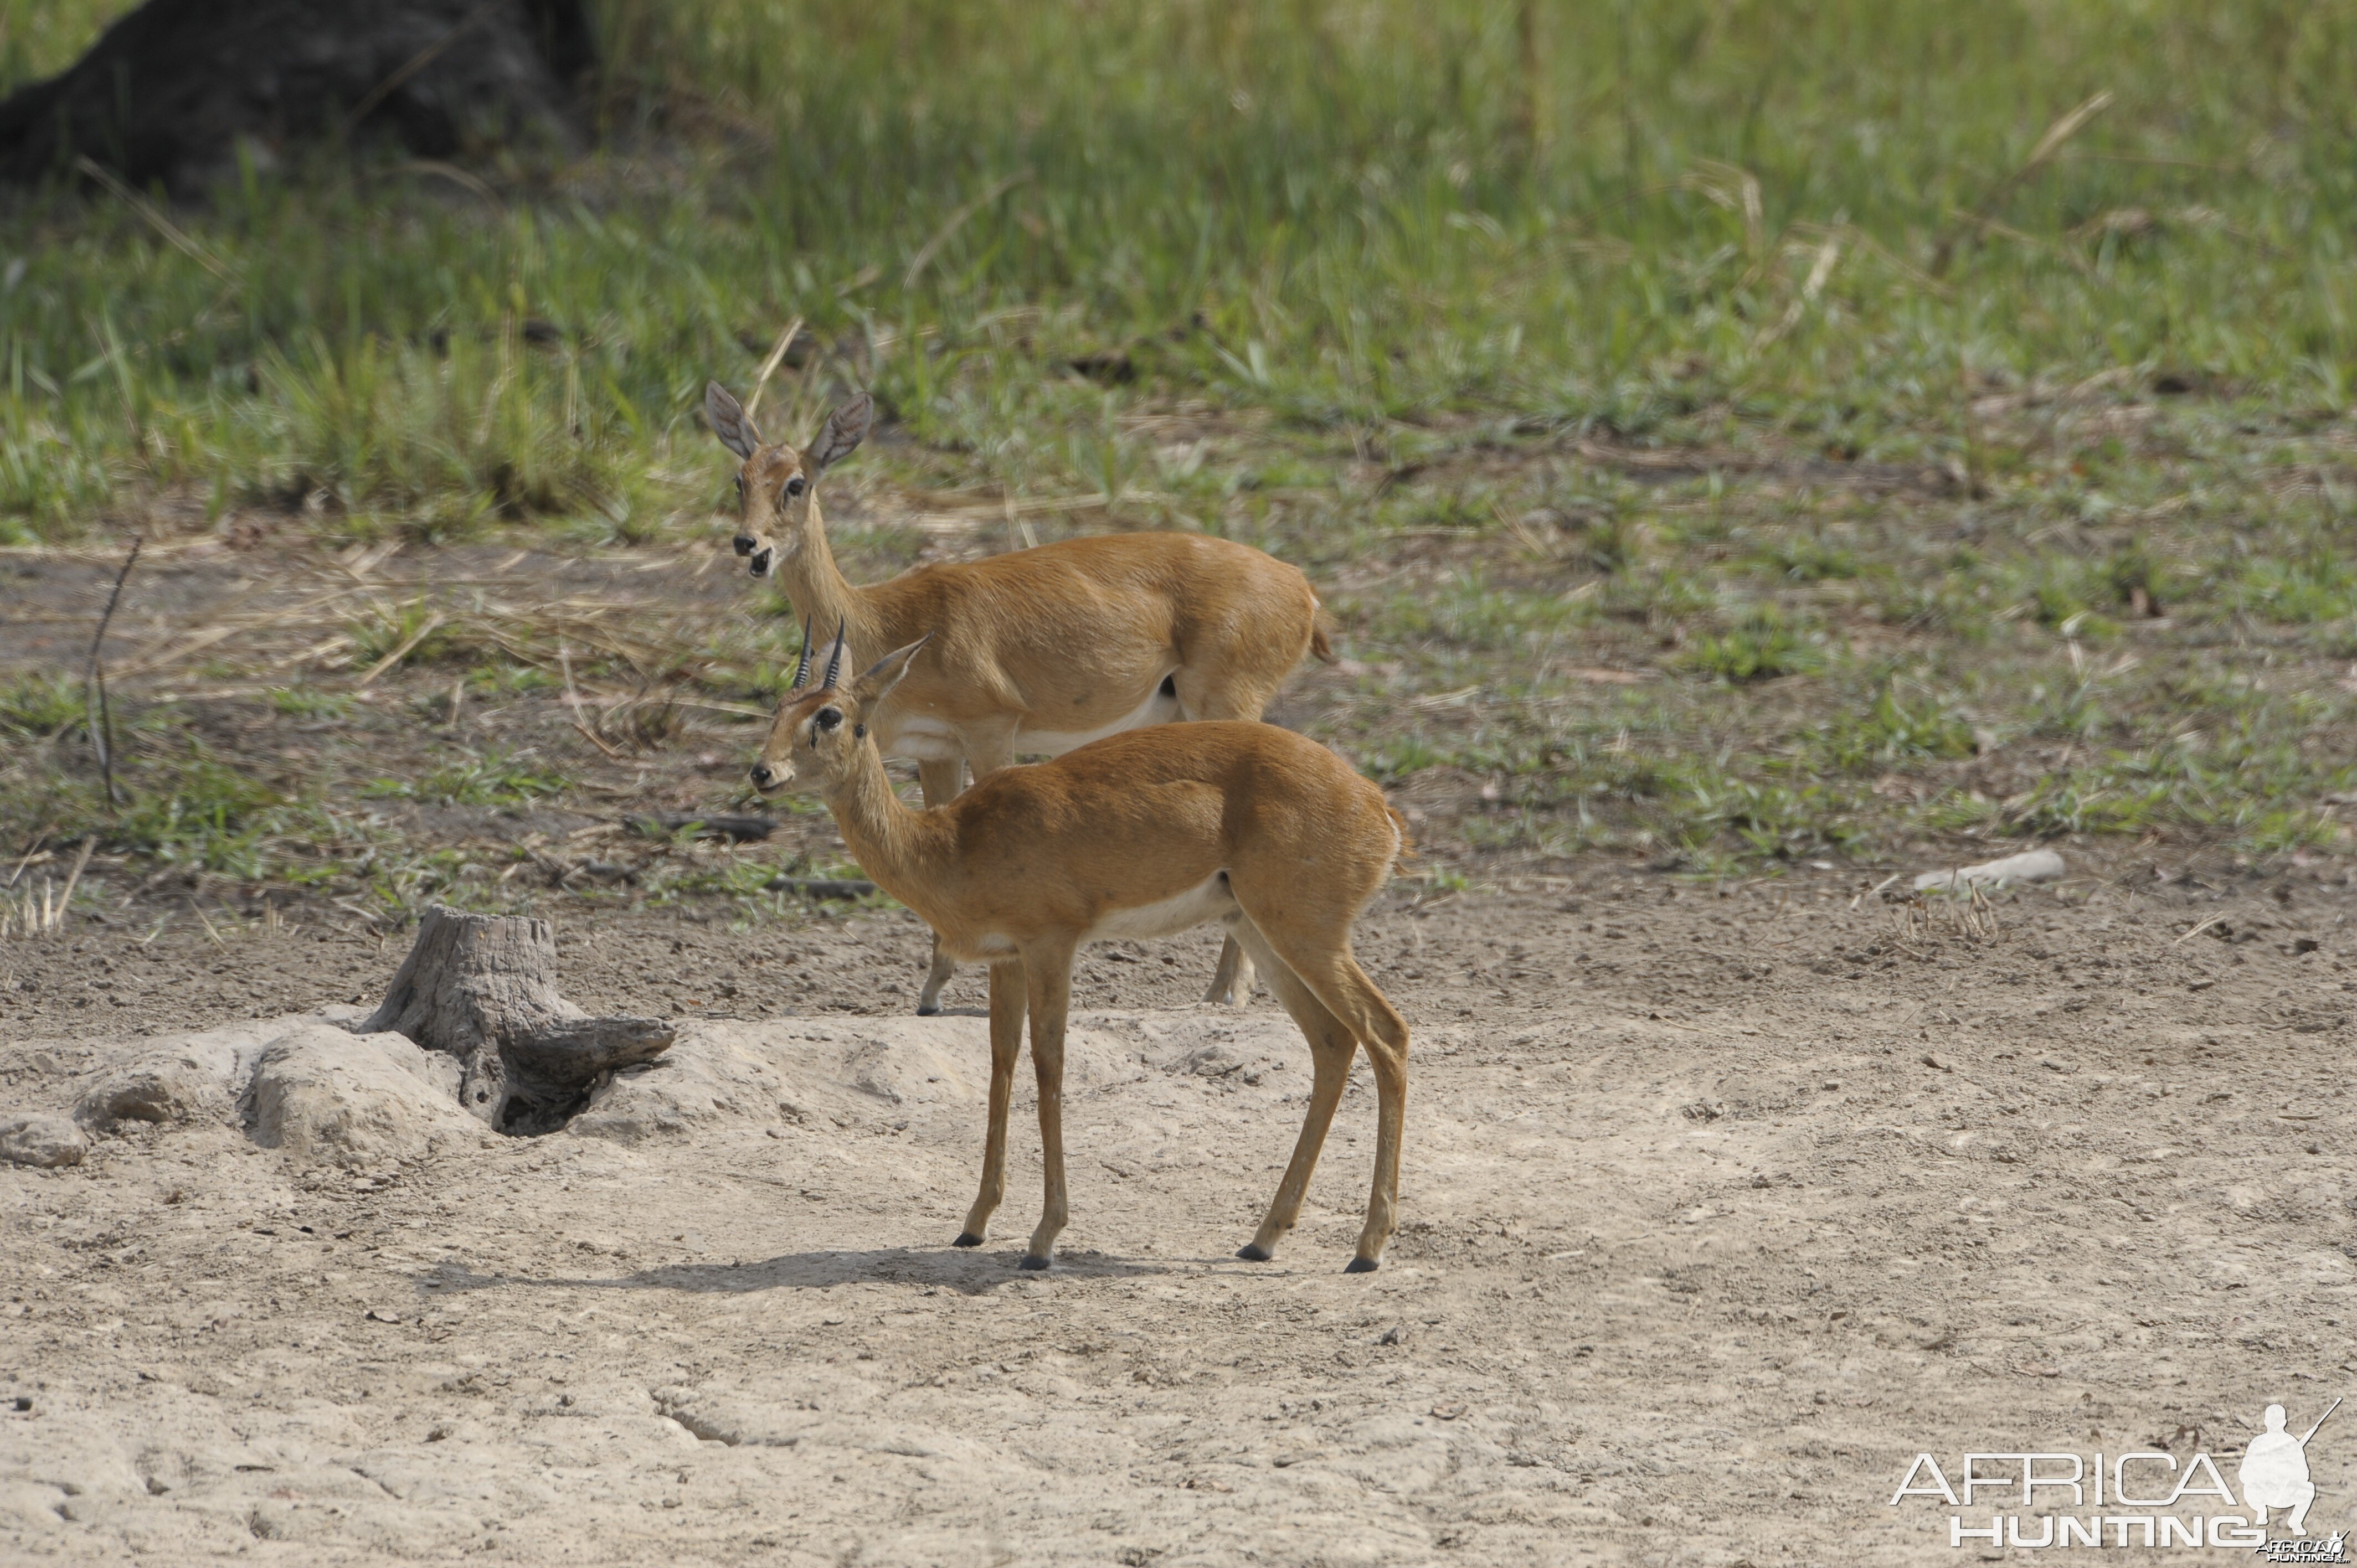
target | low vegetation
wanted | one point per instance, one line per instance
(1731, 434)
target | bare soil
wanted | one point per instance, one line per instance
(1719, 1207)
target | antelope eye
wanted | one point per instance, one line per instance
(741, 487)
(795, 485)
(829, 718)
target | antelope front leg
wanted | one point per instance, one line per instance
(1050, 977)
(939, 781)
(1007, 1001)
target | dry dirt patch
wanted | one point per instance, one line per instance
(1717, 1212)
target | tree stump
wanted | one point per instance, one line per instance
(483, 989)
(170, 91)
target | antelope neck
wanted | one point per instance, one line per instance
(891, 842)
(821, 594)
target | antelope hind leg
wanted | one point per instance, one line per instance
(929, 1000)
(1331, 1047)
(1353, 998)
(1048, 976)
(1330, 971)
(1231, 982)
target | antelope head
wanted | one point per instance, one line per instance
(815, 740)
(774, 482)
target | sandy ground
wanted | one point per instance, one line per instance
(1718, 1208)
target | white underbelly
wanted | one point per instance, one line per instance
(923, 738)
(1206, 901)
(1157, 709)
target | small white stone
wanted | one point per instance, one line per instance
(38, 1138)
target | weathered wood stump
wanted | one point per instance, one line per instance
(483, 988)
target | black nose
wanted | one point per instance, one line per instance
(763, 775)
(744, 544)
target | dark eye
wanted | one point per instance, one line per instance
(794, 486)
(741, 487)
(829, 718)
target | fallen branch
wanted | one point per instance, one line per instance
(709, 825)
(821, 888)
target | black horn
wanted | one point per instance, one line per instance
(802, 669)
(834, 658)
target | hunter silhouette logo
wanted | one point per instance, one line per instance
(2135, 1498)
(2274, 1471)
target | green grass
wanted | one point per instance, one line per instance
(310, 703)
(492, 780)
(1348, 219)
(1764, 644)
(1674, 353)
(35, 705)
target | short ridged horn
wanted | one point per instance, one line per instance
(802, 669)
(834, 658)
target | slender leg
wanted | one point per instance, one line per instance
(986, 753)
(939, 781)
(1331, 1047)
(1007, 1002)
(1329, 970)
(1231, 982)
(1049, 972)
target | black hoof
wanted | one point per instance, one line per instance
(1360, 1266)
(1252, 1253)
(927, 1009)
(1036, 1264)
(968, 1239)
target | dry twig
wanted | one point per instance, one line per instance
(770, 365)
(2062, 131)
(96, 713)
(572, 698)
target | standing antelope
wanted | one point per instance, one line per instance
(1032, 652)
(1142, 834)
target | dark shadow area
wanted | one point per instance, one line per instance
(173, 91)
(967, 1272)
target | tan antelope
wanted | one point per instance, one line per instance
(1142, 834)
(1035, 651)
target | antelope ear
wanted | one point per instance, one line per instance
(729, 421)
(875, 682)
(846, 427)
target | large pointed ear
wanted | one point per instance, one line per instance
(846, 427)
(875, 682)
(729, 421)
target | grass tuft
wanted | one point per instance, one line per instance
(1762, 646)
